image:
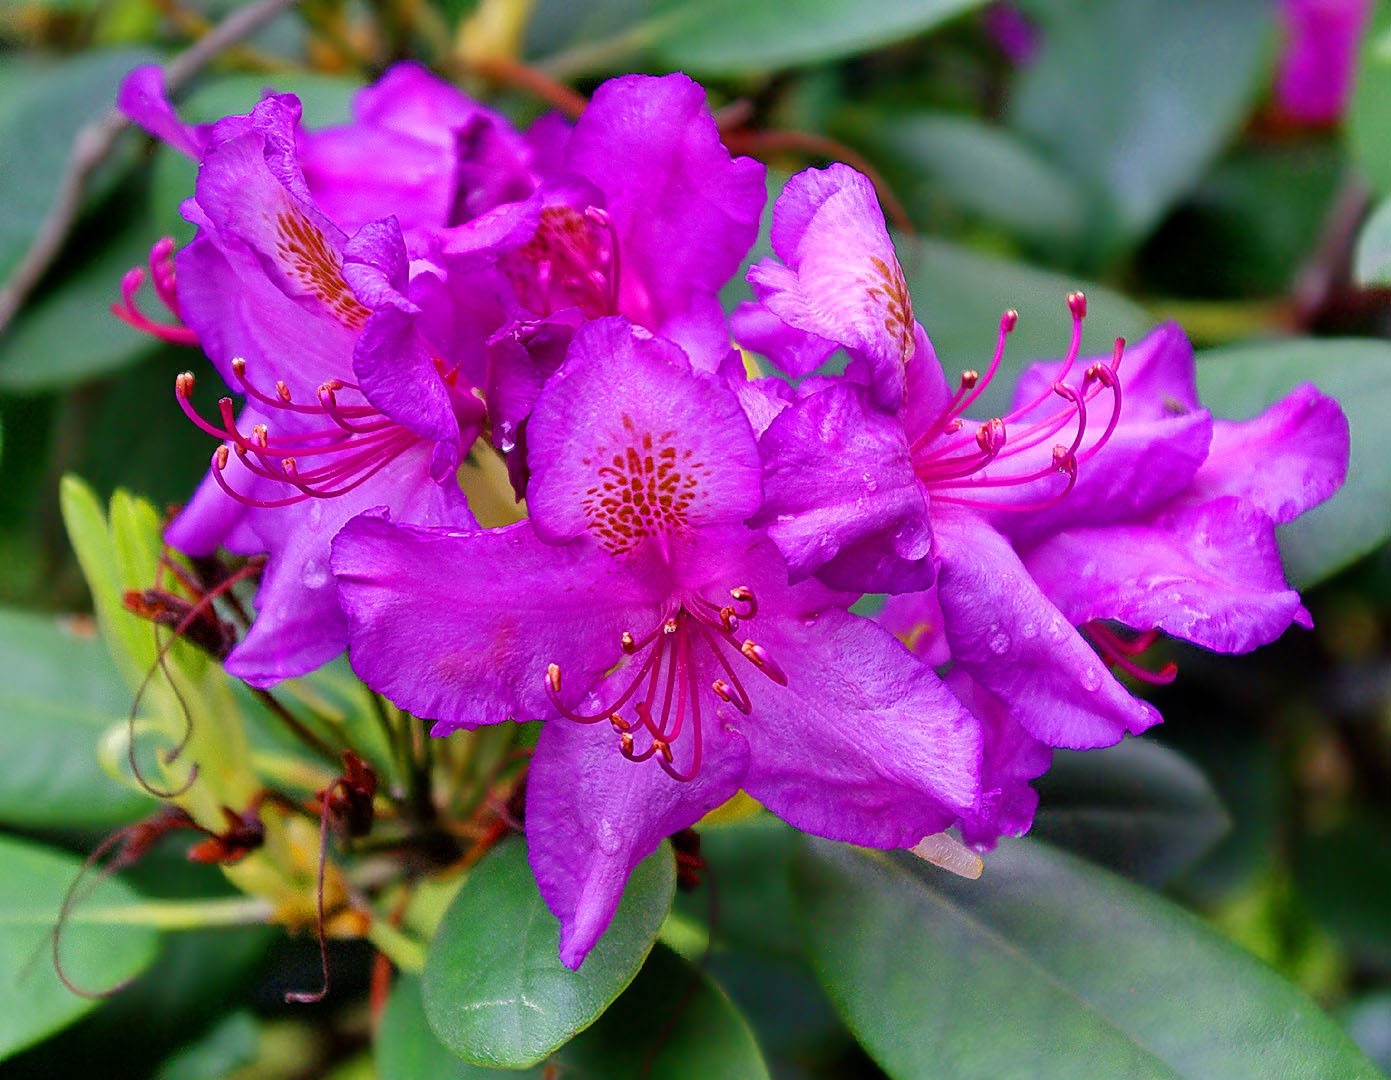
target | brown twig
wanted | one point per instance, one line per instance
(95, 142)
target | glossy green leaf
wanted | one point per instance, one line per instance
(1135, 807)
(230, 1045)
(673, 1022)
(1240, 382)
(1136, 99)
(60, 693)
(495, 990)
(1369, 117)
(1369, 1022)
(43, 105)
(98, 953)
(959, 295)
(1047, 967)
(731, 37)
(985, 170)
(1372, 260)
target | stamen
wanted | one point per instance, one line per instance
(1117, 652)
(671, 666)
(161, 276)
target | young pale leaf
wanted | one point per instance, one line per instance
(1047, 967)
(495, 990)
(1135, 807)
(1369, 118)
(60, 693)
(1240, 382)
(98, 952)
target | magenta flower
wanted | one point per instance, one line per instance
(265, 288)
(1318, 60)
(657, 634)
(1088, 501)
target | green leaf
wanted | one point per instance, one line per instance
(98, 953)
(1136, 99)
(1372, 261)
(673, 1022)
(1369, 116)
(1369, 1022)
(959, 295)
(60, 694)
(985, 170)
(230, 1045)
(1240, 382)
(1135, 807)
(735, 37)
(495, 990)
(1044, 968)
(43, 105)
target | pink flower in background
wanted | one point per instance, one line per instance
(1319, 59)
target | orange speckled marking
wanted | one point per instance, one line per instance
(891, 291)
(312, 261)
(646, 486)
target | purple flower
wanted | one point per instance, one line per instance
(1319, 57)
(325, 432)
(657, 634)
(1090, 500)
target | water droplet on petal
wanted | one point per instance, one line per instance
(1055, 629)
(314, 574)
(506, 437)
(1028, 631)
(998, 641)
(607, 837)
(1091, 679)
(316, 513)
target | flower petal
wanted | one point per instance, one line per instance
(592, 815)
(1290, 458)
(628, 444)
(459, 627)
(838, 477)
(1012, 640)
(1209, 574)
(864, 744)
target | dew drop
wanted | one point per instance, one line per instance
(316, 513)
(1028, 631)
(871, 484)
(314, 574)
(1091, 679)
(998, 641)
(1055, 629)
(607, 838)
(506, 437)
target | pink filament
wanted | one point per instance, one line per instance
(358, 443)
(1117, 652)
(952, 467)
(671, 651)
(161, 276)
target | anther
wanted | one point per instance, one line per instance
(1008, 321)
(670, 626)
(969, 378)
(990, 436)
(619, 724)
(728, 620)
(183, 384)
(742, 594)
(290, 469)
(721, 689)
(282, 391)
(625, 743)
(1062, 458)
(553, 677)
(239, 366)
(628, 643)
(1077, 304)
(664, 748)
(220, 457)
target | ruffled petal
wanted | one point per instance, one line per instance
(685, 211)
(864, 744)
(143, 98)
(299, 625)
(838, 479)
(1285, 461)
(1014, 641)
(841, 280)
(629, 445)
(1209, 574)
(459, 628)
(592, 815)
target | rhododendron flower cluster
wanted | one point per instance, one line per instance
(427, 284)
